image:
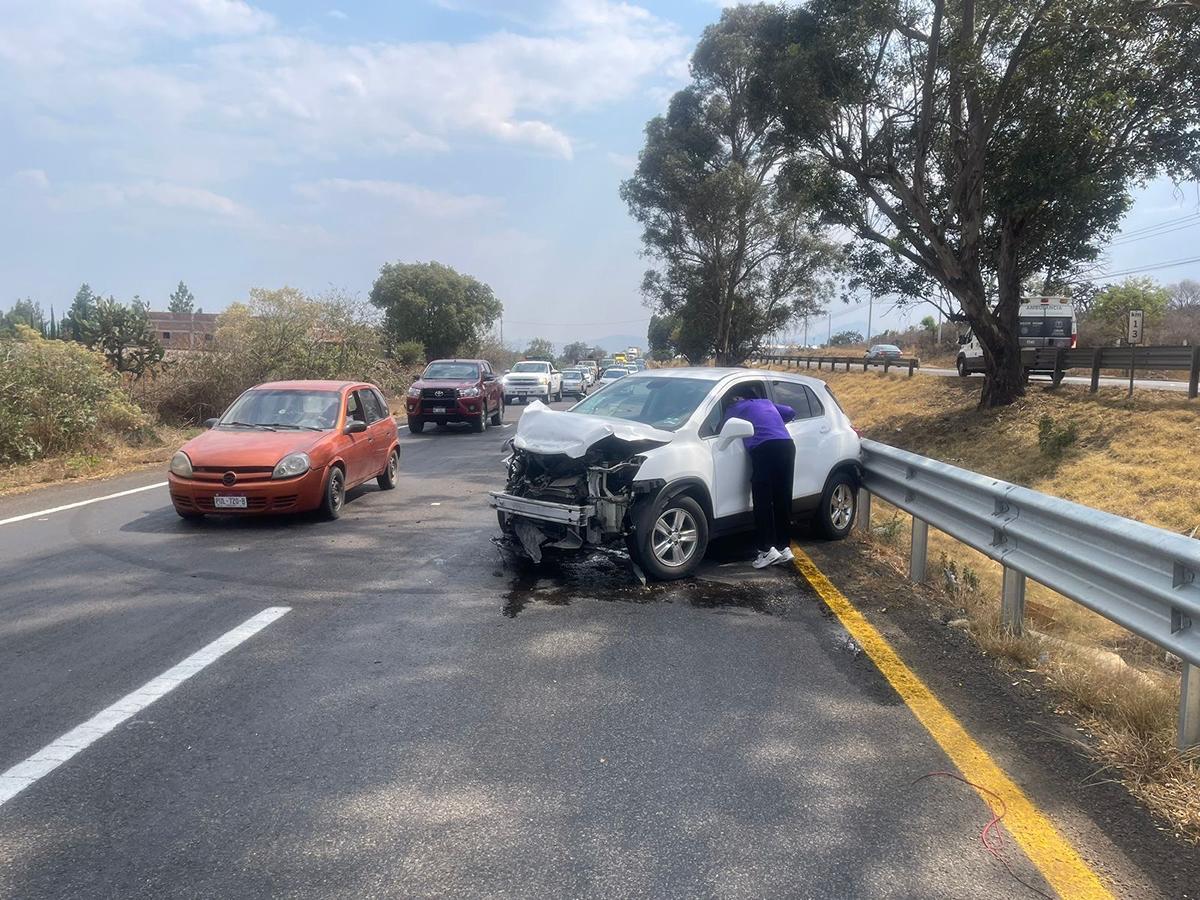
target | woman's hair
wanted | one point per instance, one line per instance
(743, 392)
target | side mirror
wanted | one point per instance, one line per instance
(506, 371)
(210, 423)
(355, 427)
(964, 339)
(489, 377)
(732, 431)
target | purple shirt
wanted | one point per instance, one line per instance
(766, 417)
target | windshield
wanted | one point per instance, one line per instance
(452, 371)
(541, 367)
(311, 410)
(664, 403)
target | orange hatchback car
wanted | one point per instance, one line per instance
(288, 446)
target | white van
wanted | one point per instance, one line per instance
(1043, 322)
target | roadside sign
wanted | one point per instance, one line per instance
(1136, 316)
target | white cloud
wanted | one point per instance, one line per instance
(412, 198)
(34, 178)
(200, 89)
(337, 14)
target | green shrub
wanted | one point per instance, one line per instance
(409, 353)
(57, 396)
(1053, 440)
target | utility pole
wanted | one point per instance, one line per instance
(829, 336)
(870, 314)
(806, 332)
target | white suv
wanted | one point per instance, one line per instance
(651, 460)
(532, 379)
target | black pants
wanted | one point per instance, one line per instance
(771, 467)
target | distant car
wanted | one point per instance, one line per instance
(640, 363)
(455, 390)
(532, 379)
(884, 351)
(631, 368)
(574, 383)
(287, 446)
(612, 373)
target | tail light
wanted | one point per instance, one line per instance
(1074, 341)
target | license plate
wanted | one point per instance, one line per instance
(439, 410)
(220, 502)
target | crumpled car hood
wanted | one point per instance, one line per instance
(550, 431)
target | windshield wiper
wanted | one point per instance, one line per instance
(288, 425)
(249, 425)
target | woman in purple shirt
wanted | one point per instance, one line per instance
(772, 455)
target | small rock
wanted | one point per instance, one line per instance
(958, 623)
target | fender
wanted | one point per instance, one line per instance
(659, 491)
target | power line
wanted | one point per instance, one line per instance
(1153, 267)
(1141, 237)
(1134, 231)
(578, 324)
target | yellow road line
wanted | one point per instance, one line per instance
(1053, 855)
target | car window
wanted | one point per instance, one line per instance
(451, 371)
(815, 408)
(383, 406)
(354, 408)
(372, 406)
(664, 403)
(716, 416)
(788, 393)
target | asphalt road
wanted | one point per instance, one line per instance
(430, 719)
(1146, 384)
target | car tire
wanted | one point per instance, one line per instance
(498, 415)
(559, 396)
(669, 561)
(334, 498)
(480, 423)
(391, 472)
(961, 365)
(839, 506)
(416, 426)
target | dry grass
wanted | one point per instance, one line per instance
(116, 457)
(1133, 458)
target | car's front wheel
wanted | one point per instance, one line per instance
(961, 365)
(670, 538)
(481, 423)
(498, 415)
(335, 493)
(416, 424)
(839, 503)
(391, 472)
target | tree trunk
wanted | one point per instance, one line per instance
(1004, 375)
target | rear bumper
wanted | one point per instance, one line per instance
(262, 497)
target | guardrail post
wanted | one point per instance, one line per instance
(1194, 380)
(886, 363)
(919, 554)
(1189, 706)
(1059, 353)
(863, 520)
(912, 364)
(1096, 370)
(1012, 602)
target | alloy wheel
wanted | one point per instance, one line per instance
(337, 490)
(673, 539)
(841, 506)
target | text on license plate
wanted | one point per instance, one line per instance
(439, 410)
(220, 502)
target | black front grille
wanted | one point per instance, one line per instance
(439, 393)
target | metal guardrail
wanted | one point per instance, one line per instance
(1059, 360)
(1141, 577)
(905, 362)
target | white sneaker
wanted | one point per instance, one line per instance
(785, 556)
(766, 558)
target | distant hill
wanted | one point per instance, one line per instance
(612, 343)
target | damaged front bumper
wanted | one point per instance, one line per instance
(542, 510)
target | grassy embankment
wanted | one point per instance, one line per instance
(1132, 458)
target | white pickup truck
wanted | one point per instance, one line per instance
(532, 379)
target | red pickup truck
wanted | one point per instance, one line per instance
(456, 390)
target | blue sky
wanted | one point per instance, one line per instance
(234, 144)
